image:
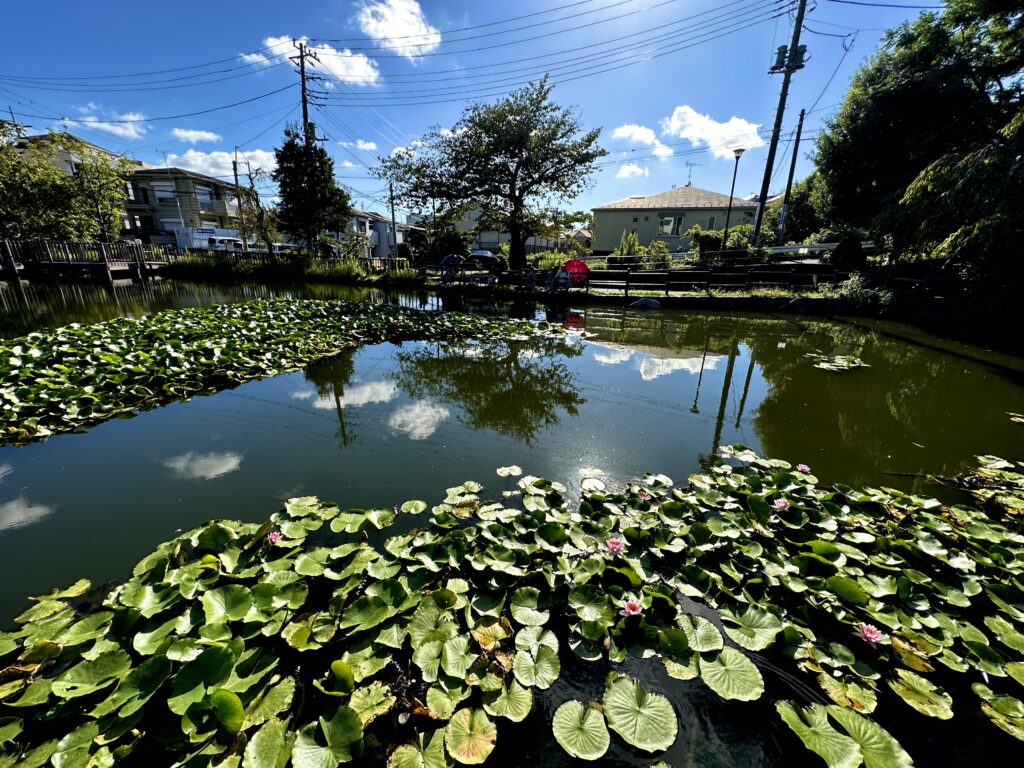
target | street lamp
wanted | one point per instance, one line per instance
(738, 153)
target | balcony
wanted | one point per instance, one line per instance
(224, 208)
(206, 205)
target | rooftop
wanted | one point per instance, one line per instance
(156, 174)
(677, 197)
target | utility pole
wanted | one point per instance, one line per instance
(394, 227)
(788, 62)
(789, 181)
(689, 172)
(238, 200)
(307, 127)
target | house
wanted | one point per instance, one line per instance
(65, 159)
(377, 229)
(162, 200)
(666, 216)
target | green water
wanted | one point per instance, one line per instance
(654, 391)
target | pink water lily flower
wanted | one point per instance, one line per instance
(802, 468)
(781, 505)
(274, 536)
(631, 607)
(870, 633)
(616, 545)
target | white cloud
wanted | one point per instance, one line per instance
(258, 59)
(193, 136)
(5, 470)
(399, 25)
(347, 164)
(704, 131)
(364, 394)
(655, 367)
(631, 169)
(419, 420)
(343, 65)
(126, 125)
(219, 163)
(367, 146)
(204, 466)
(18, 513)
(302, 394)
(641, 134)
(613, 357)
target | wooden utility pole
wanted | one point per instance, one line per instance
(307, 127)
(789, 181)
(238, 200)
(793, 60)
(394, 227)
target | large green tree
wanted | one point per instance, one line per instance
(513, 159)
(39, 200)
(943, 86)
(311, 201)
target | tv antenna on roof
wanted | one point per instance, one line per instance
(689, 172)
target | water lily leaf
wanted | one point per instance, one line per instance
(366, 612)
(756, 628)
(426, 752)
(643, 719)
(537, 669)
(848, 692)
(444, 696)
(531, 638)
(456, 656)
(9, 728)
(1006, 632)
(811, 725)
(267, 746)
(470, 736)
(510, 471)
(73, 750)
(89, 628)
(513, 702)
(922, 694)
(847, 590)
(227, 710)
(1011, 725)
(581, 730)
(591, 604)
(277, 698)
(732, 675)
(89, 676)
(701, 634)
(429, 624)
(878, 748)
(1015, 669)
(136, 689)
(211, 668)
(526, 607)
(490, 631)
(229, 603)
(328, 742)
(371, 701)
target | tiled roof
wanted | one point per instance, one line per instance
(679, 197)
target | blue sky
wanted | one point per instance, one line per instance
(669, 82)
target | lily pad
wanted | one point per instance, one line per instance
(732, 675)
(328, 742)
(538, 668)
(643, 719)
(470, 736)
(811, 725)
(525, 606)
(513, 702)
(922, 694)
(581, 730)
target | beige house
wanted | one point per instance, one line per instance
(666, 216)
(161, 200)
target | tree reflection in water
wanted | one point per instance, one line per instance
(330, 377)
(513, 388)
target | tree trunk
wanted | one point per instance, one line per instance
(517, 244)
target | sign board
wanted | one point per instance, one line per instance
(200, 231)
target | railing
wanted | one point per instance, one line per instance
(56, 252)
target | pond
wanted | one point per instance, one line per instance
(656, 391)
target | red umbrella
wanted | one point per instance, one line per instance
(578, 271)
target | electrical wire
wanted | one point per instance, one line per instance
(890, 5)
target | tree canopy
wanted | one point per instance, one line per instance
(513, 159)
(39, 200)
(940, 102)
(311, 201)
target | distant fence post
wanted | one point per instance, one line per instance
(628, 270)
(140, 261)
(104, 257)
(7, 253)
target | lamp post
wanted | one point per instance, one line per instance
(738, 153)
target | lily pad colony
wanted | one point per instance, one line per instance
(328, 635)
(71, 377)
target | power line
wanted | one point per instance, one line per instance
(38, 85)
(846, 51)
(167, 117)
(631, 59)
(890, 5)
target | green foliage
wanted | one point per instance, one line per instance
(39, 201)
(948, 86)
(805, 215)
(510, 158)
(293, 638)
(311, 201)
(548, 259)
(113, 368)
(438, 238)
(354, 245)
(858, 294)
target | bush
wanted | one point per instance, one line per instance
(547, 259)
(658, 255)
(856, 293)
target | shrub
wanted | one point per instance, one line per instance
(856, 293)
(658, 255)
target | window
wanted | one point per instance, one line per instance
(646, 218)
(169, 225)
(711, 222)
(129, 190)
(635, 219)
(667, 225)
(165, 191)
